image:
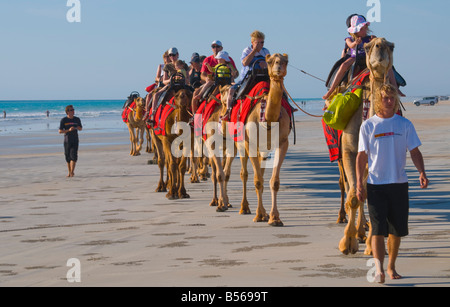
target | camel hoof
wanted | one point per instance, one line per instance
(184, 195)
(276, 223)
(245, 211)
(221, 208)
(259, 218)
(171, 196)
(348, 245)
(342, 221)
(214, 203)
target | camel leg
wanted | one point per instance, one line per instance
(161, 163)
(194, 164)
(261, 215)
(220, 179)
(342, 219)
(349, 242)
(171, 171)
(132, 140)
(245, 208)
(227, 171)
(280, 154)
(181, 171)
(140, 132)
(215, 200)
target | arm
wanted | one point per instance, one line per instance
(256, 47)
(361, 162)
(417, 158)
(158, 74)
(351, 44)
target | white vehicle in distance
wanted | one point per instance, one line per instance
(427, 100)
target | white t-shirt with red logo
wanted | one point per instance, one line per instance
(386, 141)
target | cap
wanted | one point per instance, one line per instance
(195, 57)
(173, 50)
(218, 43)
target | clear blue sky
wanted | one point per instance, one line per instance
(118, 44)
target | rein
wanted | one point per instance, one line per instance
(312, 115)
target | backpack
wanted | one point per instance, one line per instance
(342, 108)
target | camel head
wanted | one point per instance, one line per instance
(140, 103)
(182, 99)
(379, 56)
(277, 65)
(224, 92)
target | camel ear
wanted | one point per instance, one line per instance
(286, 56)
(368, 45)
(268, 58)
(390, 45)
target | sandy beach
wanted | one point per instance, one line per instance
(123, 233)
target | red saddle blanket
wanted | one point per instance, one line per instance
(243, 107)
(333, 136)
(127, 111)
(204, 112)
(161, 115)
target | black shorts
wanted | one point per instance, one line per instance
(388, 209)
(71, 151)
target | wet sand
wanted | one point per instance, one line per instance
(123, 233)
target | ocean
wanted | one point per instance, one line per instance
(30, 116)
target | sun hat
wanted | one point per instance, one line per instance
(223, 55)
(356, 23)
(218, 43)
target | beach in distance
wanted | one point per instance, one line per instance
(108, 227)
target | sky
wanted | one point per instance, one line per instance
(117, 45)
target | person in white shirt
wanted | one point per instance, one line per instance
(249, 55)
(384, 140)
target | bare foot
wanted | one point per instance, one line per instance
(393, 274)
(380, 277)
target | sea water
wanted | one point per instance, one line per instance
(30, 116)
(26, 126)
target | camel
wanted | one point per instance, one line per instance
(136, 126)
(379, 60)
(176, 166)
(221, 168)
(275, 113)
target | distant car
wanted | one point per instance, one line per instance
(427, 100)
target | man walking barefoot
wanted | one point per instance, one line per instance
(384, 140)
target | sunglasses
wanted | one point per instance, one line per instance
(71, 110)
(215, 46)
(172, 55)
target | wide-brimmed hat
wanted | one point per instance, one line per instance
(223, 55)
(356, 23)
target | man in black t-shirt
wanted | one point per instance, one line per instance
(70, 125)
